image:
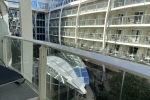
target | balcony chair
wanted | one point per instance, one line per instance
(8, 75)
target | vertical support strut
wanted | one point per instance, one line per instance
(76, 28)
(106, 25)
(42, 73)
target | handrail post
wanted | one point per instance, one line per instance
(42, 73)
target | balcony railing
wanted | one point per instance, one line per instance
(54, 24)
(71, 34)
(90, 48)
(94, 7)
(97, 36)
(68, 23)
(92, 22)
(139, 39)
(34, 68)
(54, 33)
(133, 19)
(69, 12)
(129, 2)
(54, 15)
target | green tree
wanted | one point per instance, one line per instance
(134, 88)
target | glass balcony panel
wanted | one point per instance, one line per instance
(74, 11)
(146, 19)
(134, 19)
(134, 2)
(69, 12)
(119, 4)
(101, 5)
(98, 36)
(116, 21)
(97, 49)
(91, 7)
(25, 65)
(145, 40)
(131, 38)
(83, 9)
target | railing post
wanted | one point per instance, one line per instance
(42, 73)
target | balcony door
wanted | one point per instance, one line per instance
(120, 18)
(138, 17)
(119, 32)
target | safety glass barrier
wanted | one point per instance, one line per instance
(136, 39)
(66, 70)
(120, 3)
(23, 57)
(114, 84)
(133, 19)
(94, 7)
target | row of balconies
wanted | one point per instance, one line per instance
(127, 55)
(133, 19)
(119, 53)
(84, 9)
(81, 22)
(139, 39)
(120, 3)
(136, 39)
(65, 2)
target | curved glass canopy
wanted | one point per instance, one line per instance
(65, 73)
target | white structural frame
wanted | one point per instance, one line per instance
(42, 73)
(77, 18)
(60, 22)
(105, 26)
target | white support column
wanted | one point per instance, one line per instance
(42, 73)
(26, 32)
(60, 23)
(106, 25)
(76, 28)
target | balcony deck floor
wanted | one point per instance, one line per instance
(14, 91)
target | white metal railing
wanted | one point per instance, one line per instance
(85, 22)
(139, 39)
(68, 23)
(132, 19)
(97, 36)
(69, 12)
(93, 7)
(120, 3)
